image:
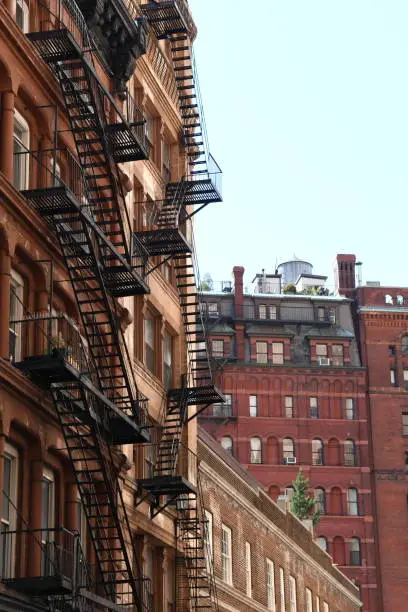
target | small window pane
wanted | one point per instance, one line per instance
(349, 408)
(217, 347)
(321, 350)
(277, 353)
(226, 443)
(253, 408)
(262, 311)
(256, 450)
(262, 352)
(314, 412)
(289, 407)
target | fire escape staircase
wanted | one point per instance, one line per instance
(99, 253)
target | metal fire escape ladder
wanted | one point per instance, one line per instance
(97, 252)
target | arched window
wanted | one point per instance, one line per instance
(288, 449)
(320, 500)
(226, 443)
(352, 502)
(339, 551)
(350, 452)
(317, 452)
(355, 551)
(322, 542)
(256, 450)
(404, 345)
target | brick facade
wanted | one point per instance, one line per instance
(238, 501)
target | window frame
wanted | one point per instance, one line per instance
(168, 365)
(285, 454)
(226, 554)
(282, 589)
(150, 352)
(248, 570)
(404, 425)
(253, 405)
(278, 356)
(352, 504)
(261, 355)
(217, 352)
(320, 540)
(288, 406)
(321, 350)
(313, 407)
(209, 534)
(317, 455)
(309, 599)
(229, 448)
(347, 409)
(292, 594)
(17, 290)
(270, 585)
(9, 523)
(255, 453)
(21, 143)
(25, 12)
(354, 555)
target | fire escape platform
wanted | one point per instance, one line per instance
(55, 45)
(125, 143)
(197, 191)
(165, 18)
(41, 586)
(123, 281)
(167, 485)
(164, 241)
(206, 394)
(45, 370)
(50, 201)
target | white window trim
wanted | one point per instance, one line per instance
(309, 600)
(49, 476)
(253, 406)
(11, 523)
(282, 590)
(25, 142)
(26, 14)
(270, 585)
(248, 569)
(209, 538)
(292, 594)
(226, 557)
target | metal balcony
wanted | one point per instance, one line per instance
(201, 188)
(169, 17)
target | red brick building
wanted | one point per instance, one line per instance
(290, 367)
(383, 322)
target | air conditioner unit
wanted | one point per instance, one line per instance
(324, 361)
(213, 314)
(290, 460)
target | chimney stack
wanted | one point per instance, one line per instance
(238, 272)
(345, 274)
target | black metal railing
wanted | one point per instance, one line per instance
(213, 174)
(41, 553)
(219, 411)
(55, 335)
(49, 169)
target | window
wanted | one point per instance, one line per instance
(325, 606)
(253, 409)
(400, 300)
(355, 552)
(224, 409)
(405, 423)
(337, 354)
(309, 600)
(248, 569)
(9, 513)
(82, 525)
(262, 352)
(388, 299)
(21, 143)
(217, 348)
(322, 542)
(150, 213)
(288, 449)
(22, 15)
(226, 554)
(256, 450)
(392, 351)
(404, 345)
(288, 406)
(282, 590)
(226, 443)
(209, 539)
(317, 603)
(349, 411)
(277, 353)
(212, 309)
(150, 135)
(332, 315)
(292, 594)
(270, 585)
(393, 377)
(149, 344)
(289, 492)
(262, 311)
(16, 314)
(167, 360)
(320, 500)
(321, 350)
(47, 519)
(350, 457)
(352, 502)
(314, 411)
(317, 452)
(405, 374)
(273, 313)
(166, 162)
(321, 314)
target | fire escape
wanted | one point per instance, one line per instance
(96, 400)
(174, 482)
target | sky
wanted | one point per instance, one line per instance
(306, 107)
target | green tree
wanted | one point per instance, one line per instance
(303, 505)
(207, 283)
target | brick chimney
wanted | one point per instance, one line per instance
(345, 274)
(238, 272)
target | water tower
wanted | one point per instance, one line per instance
(290, 270)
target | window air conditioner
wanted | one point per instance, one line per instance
(213, 314)
(290, 460)
(324, 361)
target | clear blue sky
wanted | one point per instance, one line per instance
(306, 105)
